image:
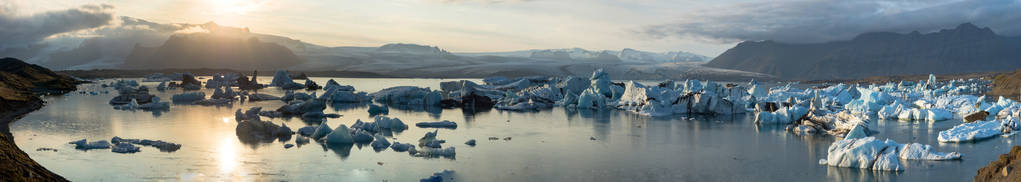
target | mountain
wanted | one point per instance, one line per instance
(212, 50)
(578, 54)
(965, 48)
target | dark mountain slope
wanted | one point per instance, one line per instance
(965, 48)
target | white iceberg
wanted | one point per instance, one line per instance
(871, 153)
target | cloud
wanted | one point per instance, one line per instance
(810, 21)
(23, 30)
(482, 1)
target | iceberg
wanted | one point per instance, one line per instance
(870, 153)
(377, 109)
(401, 147)
(188, 97)
(282, 80)
(437, 124)
(341, 135)
(361, 136)
(85, 145)
(407, 95)
(125, 148)
(321, 131)
(974, 131)
(440, 177)
(306, 131)
(380, 142)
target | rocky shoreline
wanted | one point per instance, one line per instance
(1005, 168)
(20, 85)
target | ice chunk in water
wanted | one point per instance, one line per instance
(125, 147)
(437, 124)
(971, 131)
(341, 135)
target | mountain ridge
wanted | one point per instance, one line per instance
(965, 48)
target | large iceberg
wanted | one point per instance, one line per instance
(977, 130)
(871, 153)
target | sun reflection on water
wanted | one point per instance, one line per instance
(228, 156)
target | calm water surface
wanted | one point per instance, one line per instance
(551, 145)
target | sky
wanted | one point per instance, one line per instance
(707, 27)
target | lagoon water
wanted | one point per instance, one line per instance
(550, 145)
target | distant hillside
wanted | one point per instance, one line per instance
(212, 50)
(966, 48)
(606, 56)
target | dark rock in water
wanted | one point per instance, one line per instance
(1002, 169)
(976, 116)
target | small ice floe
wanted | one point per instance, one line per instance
(401, 147)
(388, 123)
(361, 136)
(429, 140)
(125, 148)
(341, 135)
(321, 131)
(437, 124)
(250, 114)
(428, 152)
(214, 102)
(470, 142)
(978, 130)
(224, 93)
(85, 145)
(159, 144)
(871, 153)
(380, 143)
(299, 108)
(301, 140)
(306, 131)
(188, 97)
(446, 175)
(378, 109)
(261, 97)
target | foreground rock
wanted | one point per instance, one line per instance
(19, 84)
(1005, 168)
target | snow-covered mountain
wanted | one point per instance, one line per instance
(579, 54)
